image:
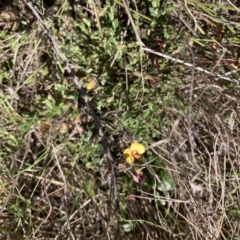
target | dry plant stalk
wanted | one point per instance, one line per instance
(84, 96)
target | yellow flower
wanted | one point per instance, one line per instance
(134, 152)
(91, 84)
(128, 156)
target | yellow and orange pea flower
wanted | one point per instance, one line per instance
(134, 152)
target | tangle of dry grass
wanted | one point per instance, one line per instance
(62, 171)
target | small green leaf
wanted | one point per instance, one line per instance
(115, 23)
(49, 103)
(127, 227)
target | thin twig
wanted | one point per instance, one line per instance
(84, 96)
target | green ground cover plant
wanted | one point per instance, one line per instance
(119, 120)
